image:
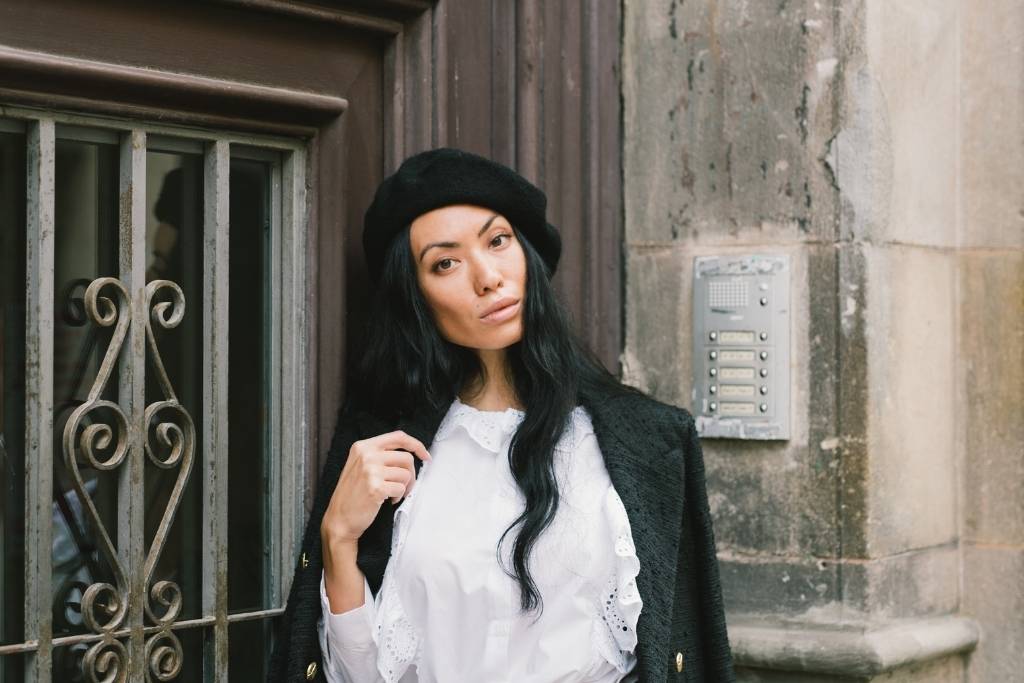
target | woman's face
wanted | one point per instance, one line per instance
(468, 260)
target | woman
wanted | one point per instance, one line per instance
(546, 522)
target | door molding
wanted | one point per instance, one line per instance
(137, 93)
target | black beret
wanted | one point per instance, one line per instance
(444, 176)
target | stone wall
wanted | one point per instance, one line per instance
(881, 145)
(990, 396)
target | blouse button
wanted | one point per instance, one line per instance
(679, 662)
(311, 671)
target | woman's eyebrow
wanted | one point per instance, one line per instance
(452, 245)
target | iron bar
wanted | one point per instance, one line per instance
(41, 186)
(215, 403)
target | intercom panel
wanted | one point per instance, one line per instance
(741, 346)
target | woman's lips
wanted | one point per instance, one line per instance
(502, 314)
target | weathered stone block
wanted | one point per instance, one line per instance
(911, 52)
(657, 354)
(853, 397)
(992, 400)
(781, 587)
(948, 670)
(826, 590)
(745, 675)
(904, 650)
(729, 111)
(911, 407)
(914, 584)
(994, 595)
(992, 123)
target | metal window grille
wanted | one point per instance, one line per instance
(134, 623)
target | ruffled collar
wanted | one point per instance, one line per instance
(491, 428)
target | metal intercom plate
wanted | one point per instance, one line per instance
(741, 346)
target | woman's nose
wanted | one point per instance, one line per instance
(488, 277)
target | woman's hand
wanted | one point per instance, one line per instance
(375, 471)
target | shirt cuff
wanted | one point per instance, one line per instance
(351, 630)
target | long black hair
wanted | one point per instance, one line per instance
(406, 364)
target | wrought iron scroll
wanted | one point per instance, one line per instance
(176, 441)
(96, 435)
(86, 436)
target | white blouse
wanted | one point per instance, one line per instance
(447, 608)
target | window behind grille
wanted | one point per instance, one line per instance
(169, 262)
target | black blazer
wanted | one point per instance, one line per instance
(654, 460)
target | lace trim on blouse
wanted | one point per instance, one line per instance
(620, 601)
(398, 639)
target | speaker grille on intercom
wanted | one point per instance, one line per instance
(727, 292)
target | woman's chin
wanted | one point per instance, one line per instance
(494, 342)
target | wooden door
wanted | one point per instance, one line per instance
(302, 108)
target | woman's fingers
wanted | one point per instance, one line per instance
(399, 475)
(403, 471)
(399, 439)
(393, 490)
(398, 459)
(377, 469)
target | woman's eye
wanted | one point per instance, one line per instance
(439, 266)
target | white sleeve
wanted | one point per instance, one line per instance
(346, 640)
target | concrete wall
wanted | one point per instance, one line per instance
(879, 143)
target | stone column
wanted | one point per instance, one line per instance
(837, 132)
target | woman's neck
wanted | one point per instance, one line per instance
(494, 391)
(492, 400)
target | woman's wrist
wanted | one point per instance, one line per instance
(343, 580)
(340, 548)
(335, 536)
(339, 551)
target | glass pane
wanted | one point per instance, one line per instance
(248, 474)
(12, 668)
(12, 390)
(243, 637)
(86, 220)
(192, 640)
(67, 663)
(174, 251)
